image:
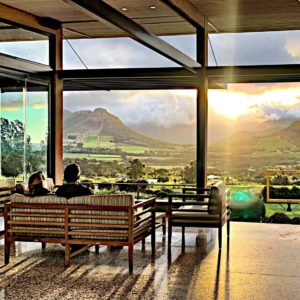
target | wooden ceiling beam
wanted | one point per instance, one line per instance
(28, 21)
(188, 11)
(100, 11)
(16, 63)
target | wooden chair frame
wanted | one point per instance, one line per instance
(136, 229)
(219, 217)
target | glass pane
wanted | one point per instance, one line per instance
(24, 124)
(105, 131)
(24, 44)
(121, 53)
(254, 48)
(36, 131)
(12, 132)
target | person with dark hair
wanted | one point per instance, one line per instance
(72, 187)
(36, 185)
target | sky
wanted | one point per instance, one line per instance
(240, 102)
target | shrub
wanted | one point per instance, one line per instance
(104, 185)
(280, 218)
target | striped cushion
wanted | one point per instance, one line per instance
(102, 200)
(49, 199)
(111, 200)
(193, 217)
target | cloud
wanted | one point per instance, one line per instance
(292, 45)
(293, 48)
(39, 105)
(165, 108)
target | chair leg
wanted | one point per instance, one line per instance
(164, 225)
(7, 252)
(169, 240)
(130, 258)
(43, 245)
(183, 239)
(153, 232)
(143, 244)
(97, 249)
(67, 255)
(228, 228)
(220, 237)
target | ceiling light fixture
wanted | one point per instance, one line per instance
(154, 7)
(124, 8)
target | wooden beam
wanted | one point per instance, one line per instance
(188, 11)
(202, 107)
(23, 65)
(55, 145)
(100, 10)
(28, 21)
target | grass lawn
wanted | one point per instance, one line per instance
(106, 157)
(134, 149)
(281, 208)
(92, 141)
(274, 143)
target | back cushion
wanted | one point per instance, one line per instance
(114, 219)
(37, 215)
(49, 199)
(111, 200)
(218, 193)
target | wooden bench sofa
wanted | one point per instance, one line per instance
(113, 220)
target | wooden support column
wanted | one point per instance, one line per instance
(55, 147)
(202, 106)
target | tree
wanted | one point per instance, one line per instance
(189, 173)
(12, 150)
(135, 169)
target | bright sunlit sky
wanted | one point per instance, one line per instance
(240, 103)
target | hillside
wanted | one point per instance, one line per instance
(101, 123)
(269, 139)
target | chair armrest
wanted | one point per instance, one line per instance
(198, 190)
(185, 196)
(143, 203)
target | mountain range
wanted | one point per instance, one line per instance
(101, 122)
(267, 139)
(269, 135)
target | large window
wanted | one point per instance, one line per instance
(24, 123)
(105, 131)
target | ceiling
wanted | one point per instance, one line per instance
(160, 19)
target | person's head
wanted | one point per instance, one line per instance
(35, 181)
(71, 173)
(42, 174)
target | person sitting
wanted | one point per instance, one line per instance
(36, 185)
(72, 187)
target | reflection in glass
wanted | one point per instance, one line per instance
(24, 119)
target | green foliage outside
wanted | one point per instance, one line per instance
(134, 149)
(12, 150)
(94, 141)
(189, 173)
(273, 143)
(136, 169)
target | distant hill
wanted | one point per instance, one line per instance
(176, 133)
(270, 139)
(101, 122)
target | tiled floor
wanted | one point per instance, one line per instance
(261, 262)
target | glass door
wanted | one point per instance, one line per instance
(23, 128)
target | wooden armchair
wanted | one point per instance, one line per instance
(209, 209)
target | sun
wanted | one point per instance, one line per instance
(230, 105)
